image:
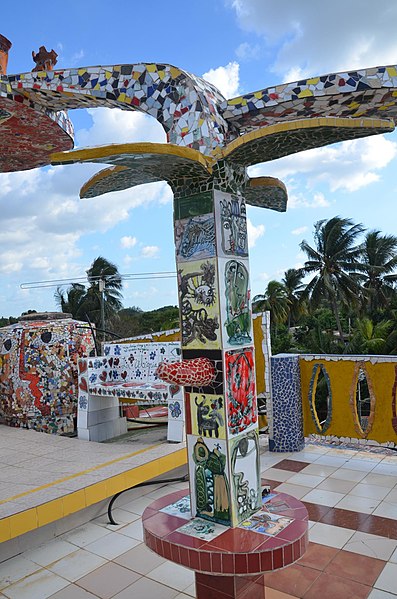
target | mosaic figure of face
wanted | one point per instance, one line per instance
(238, 324)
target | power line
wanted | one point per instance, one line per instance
(140, 276)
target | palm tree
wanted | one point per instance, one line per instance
(274, 299)
(335, 262)
(72, 301)
(379, 260)
(101, 301)
(370, 338)
(292, 282)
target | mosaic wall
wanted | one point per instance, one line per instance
(343, 376)
(38, 373)
(285, 419)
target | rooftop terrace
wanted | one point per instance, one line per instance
(54, 508)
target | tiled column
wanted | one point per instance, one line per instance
(229, 587)
(215, 305)
(285, 408)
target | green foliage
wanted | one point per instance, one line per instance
(131, 322)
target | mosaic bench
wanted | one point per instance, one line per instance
(126, 372)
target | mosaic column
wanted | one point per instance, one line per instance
(215, 306)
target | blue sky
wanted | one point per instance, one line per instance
(241, 45)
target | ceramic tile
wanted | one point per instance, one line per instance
(78, 564)
(50, 552)
(133, 530)
(358, 504)
(380, 480)
(333, 587)
(40, 585)
(294, 580)
(114, 545)
(333, 536)
(387, 579)
(145, 588)
(140, 559)
(172, 575)
(377, 594)
(337, 485)
(356, 567)
(347, 474)
(318, 556)
(297, 491)
(319, 469)
(308, 480)
(72, 591)
(371, 545)
(323, 497)
(371, 491)
(16, 568)
(83, 535)
(279, 475)
(107, 580)
(386, 510)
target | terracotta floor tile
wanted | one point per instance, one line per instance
(291, 465)
(345, 518)
(315, 511)
(318, 556)
(294, 580)
(274, 594)
(360, 568)
(333, 587)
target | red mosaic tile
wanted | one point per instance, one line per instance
(205, 561)
(175, 553)
(185, 540)
(236, 540)
(166, 550)
(194, 559)
(227, 563)
(148, 513)
(184, 557)
(204, 592)
(288, 557)
(255, 591)
(253, 562)
(216, 561)
(240, 563)
(161, 525)
(295, 530)
(278, 558)
(266, 561)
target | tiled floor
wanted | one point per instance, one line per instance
(351, 497)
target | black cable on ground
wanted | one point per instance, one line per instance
(181, 479)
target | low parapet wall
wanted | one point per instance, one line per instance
(294, 406)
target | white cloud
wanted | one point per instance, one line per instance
(110, 126)
(44, 222)
(226, 79)
(254, 232)
(150, 251)
(246, 51)
(128, 241)
(349, 166)
(302, 200)
(300, 230)
(341, 35)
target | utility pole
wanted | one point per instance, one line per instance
(101, 285)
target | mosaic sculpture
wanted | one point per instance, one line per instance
(211, 142)
(38, 372)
